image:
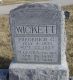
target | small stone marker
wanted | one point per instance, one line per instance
(3, 74)
(39, 43)
(36, 33)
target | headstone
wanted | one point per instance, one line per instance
(36, 34)
(4, 74)
(39, 43)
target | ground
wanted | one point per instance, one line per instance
(69, 31)
(18, 1)
(5, 44)
(5, 40)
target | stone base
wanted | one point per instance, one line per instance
(18, 71)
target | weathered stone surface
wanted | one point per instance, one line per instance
(20, 71)
(32, 25)
(41, 71)
(36, 33)
(39, 74)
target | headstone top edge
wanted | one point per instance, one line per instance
(48, 6)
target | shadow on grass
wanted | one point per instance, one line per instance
(4, 63)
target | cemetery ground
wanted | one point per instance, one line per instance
(5, 50)
(18, 1)
(5, 42)
(69, 32)
(13, 1)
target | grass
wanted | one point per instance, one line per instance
(5, 42)
(69, 30)
(19, 1)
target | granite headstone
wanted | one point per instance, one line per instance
(36, 33)
(39, 43)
